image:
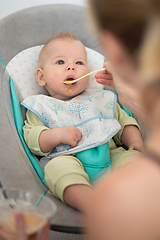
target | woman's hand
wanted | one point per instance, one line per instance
(20, 231)
(129, 93)
(105, 77)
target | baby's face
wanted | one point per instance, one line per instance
(64, 59)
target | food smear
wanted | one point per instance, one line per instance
(70, 89)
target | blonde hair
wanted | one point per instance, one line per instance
(136, 23)
(60, 35)
(64, 34)
(124, 18)
(149, 57)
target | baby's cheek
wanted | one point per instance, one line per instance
(86, 80)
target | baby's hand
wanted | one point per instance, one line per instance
(104, 77)
(70, 135)
(136, 146)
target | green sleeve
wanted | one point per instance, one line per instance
(124, 108)
(33, 126)
(123, 118)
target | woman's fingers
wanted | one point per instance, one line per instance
(20, 229)
(45, 232)
(20, 226)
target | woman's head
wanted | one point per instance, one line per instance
(126, 19)
(131, 23)
(130, 31)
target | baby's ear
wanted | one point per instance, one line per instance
(40, 78)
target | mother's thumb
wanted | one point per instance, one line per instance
(108, 67)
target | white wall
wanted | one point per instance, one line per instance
(9, 6)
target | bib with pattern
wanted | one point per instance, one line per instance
(92, 112)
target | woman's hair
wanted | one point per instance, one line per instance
(136, 23)
(126, 19)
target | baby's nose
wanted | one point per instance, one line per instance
(71, 68)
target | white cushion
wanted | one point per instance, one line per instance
(22, 68)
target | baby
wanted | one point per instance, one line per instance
(77, 130)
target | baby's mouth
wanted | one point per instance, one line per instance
(69, 81)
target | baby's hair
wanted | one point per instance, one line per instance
(64, 34)
(60, 35)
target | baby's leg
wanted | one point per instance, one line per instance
(77, 196)
(67, 180)
(120, 156)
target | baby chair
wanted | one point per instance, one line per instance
(20, 31)
(24, 33)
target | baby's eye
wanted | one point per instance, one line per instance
(60, 62)
(79, 63)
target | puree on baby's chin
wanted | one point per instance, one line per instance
(70, 90)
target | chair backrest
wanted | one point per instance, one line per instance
(22, 69)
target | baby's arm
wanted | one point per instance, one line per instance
(50, 138)
(131, 138)
(39, 138)
(129, 135)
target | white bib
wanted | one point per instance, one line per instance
(92, 112)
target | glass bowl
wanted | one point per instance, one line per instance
(36, 207)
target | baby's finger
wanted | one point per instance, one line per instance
(76, 139)
(131, 148)
(73, 143)
(79, 135)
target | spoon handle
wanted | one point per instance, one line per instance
(73, 81)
